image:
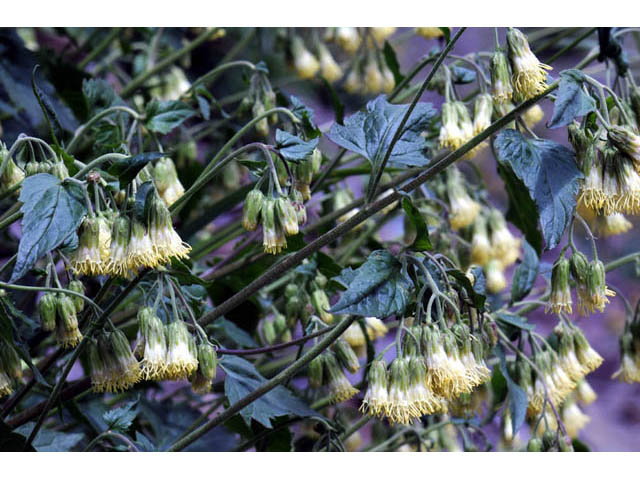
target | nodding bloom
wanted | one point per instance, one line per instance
(451, 136)
(400, 409)
(298, 205)
(67, 333)
(287, 216)
(375, 329)
(533, 115)
(446, 374)
(345, 355)
(592, 295)
(382, 33)
(182, 360)
(165, 241)
(573, 418)
(141, 252)
(154, 344)
(251, 209)
(303, 175)
(348, 38)
(167, 182)
(305, 64)
(78, 287)
(118, 254)
(584, 393)
(262, 127)
(372, 76)
(629, 371)
(341, 198)
(483, 109)
(560, 297)
(388, 80)
(92, 255)
(353, 82)
(587, 356)
(12, 174)
(47, 306)
(480, 247)
(471, 355)
(422, 401)
(567, 354)
(273, 235)
(507, 423)
(376, 399)
(329, 68)
(339, 387)
(320, 303)
(464, 121)
(592, 194)
(505, 247)
(627, 141)
(429, 32)
(494, 274)
(621, 185)
(529, 75)
(501, 88)
(463, 210)
(112, 366)
(315, 372)
(609, 225)
(207, 365)
(5, 385)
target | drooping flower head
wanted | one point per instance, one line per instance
(165, 241)
(12, 174)
(573, 418)
(429, 32)
(207, 365)
(593, 295)
(483, 110)
(167, 182)
(494, 274)
(345, 355)
(315, 372)
(480, 247)
(463, 209)
(504, 245)
(182, 359)
(529, 75)
(501, 88)
(609, 225)
(67, 333)
(113, 368)
(92, 255)
(287, 216)
(273, 235)
(560, 297)
(348, 38)
(372, 75)
(305, 64)
(47, 306)
(339, 387)
(626, 140)
(587, 356)
(451, 136)
(154, 343)
(585, 393)
(376, 398)
(118, 255)
(329, 68)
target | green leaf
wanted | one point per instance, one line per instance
(144, 196)
(370, 133)
(462, 76)
(242, 379)
(571, 100)
(475, 292)
(517, 396)
(380, 287)
(121, 418)
(391, 60)
(204, 106)
(52, 212)
(100, 95)
(422, 241)
(522, 210)
(551, 176)
(305, 114)
(294, 148)
(525, 273)
(517, 321)
(49, 440)
(225, 330)
(164, 116)
(127, 168)
(11, 441)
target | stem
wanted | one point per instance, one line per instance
(212, 74)
(104, 43)
(138, 81)
(96, 118)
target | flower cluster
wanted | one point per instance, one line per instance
(591, 287)
(10, 368)
(328, 369)
(111, 363)
(59, 312)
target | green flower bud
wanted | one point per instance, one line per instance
(303, 176)
(262, 127)
(501, 88)
(12, 174)
(280, 324)
(534, 445)
(269, 332)
(207, 365)
(579, 267)
(67, 332)
(338, 383)
(298, 205)
(548, 441)
(315, 369)
(47, 311)
(625, 140)
(251, 210)
(316, 160)
(287, 216)
(78, 287)
(45, 167)
(31, 168)
(320, 303)
(560, 298)
(163, 173)
(346, 356)
(290, 290)
(59, 170)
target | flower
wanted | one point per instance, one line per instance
(584, 393)
(165, 241)
(67, 333)
(400, 408)
(533, 115)
(587, 356)
(273, 235)
(329, 68)
(353, 81)
(380, 34)
(181, 352)
(501, 88)
(592, 295)
(112, 366)
(375, 327)
(345, 355)
(629, 371)
(464, 121)
(451, 136)
(372, 76)
(92, 255)
(463, 210)
(321, 305)
(529, 75)
(12, 175)
(339, 386)
(573, 418)
(429, 32)
(388, 80)
(348, 38)
(10, 363)
(154, 343)
(627, 141)
(303, 175)
(305, 64)
(251, 210)
(118, 263)
(480, 247)
(167, 182)
(376, 398)
(141, 252)
(567, 355)
(422, 401)
(494, 274)
(505, 247)
(446, 374)
(482, 112)
(207, 364)
(560, 297)
(316, 366)
(287, 216)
